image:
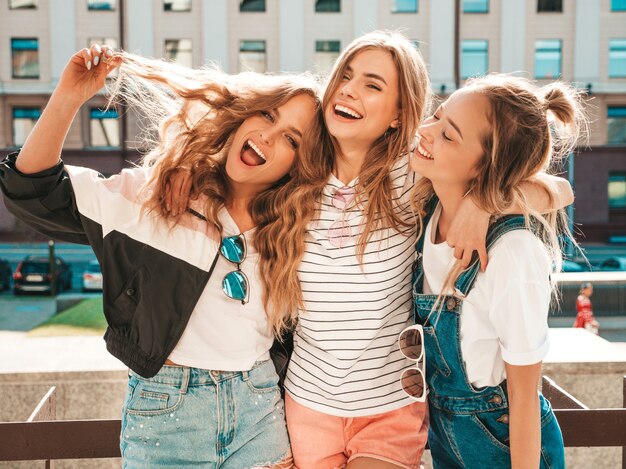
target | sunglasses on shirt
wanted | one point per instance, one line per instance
(411, 344)
(235, 283)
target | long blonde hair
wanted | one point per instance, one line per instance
(532, 129)
(195, 114)
(303, 192)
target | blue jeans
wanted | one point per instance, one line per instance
(211, 419)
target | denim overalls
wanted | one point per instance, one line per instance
(469, 426)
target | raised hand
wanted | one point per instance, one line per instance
(86, 72)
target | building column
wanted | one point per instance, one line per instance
(63, 43)
(215, 33)
(140, 28)
(364, 16)
(513, 36)
(291, 36)
(587, 43)
(442, 45)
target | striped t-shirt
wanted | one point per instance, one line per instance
(346, 360)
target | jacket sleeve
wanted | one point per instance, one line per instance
(45, 200)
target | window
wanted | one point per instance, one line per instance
(176, 5)
(179, 51)
(474, 58)
(544, 6)
(324, 6)
(617, 58)
(252, 56)
(252, 5)
(548, 58)
(326, 54)
(23, 4)
(24, 119)
(25, 58)
(475, 6)
(107, 41)
(617, 190)
(404, 6)
(104, 128)
(102, 5)
(618, 5)
(616, 122)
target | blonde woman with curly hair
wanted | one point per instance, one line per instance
(188, 308)
(485, 333)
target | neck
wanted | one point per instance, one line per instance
(238, 204)
(349, 161)
(450, 197)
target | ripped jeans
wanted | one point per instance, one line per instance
(211, 419)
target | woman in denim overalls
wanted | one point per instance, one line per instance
(485, 333)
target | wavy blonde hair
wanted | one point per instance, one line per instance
(190, 117)
(302, 194)
(531, 130)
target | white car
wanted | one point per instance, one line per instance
(92, 277)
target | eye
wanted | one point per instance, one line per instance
(445, 137)
(268, 115)
(436, 117)
(292, 141)
(374, 87)
(345, 77)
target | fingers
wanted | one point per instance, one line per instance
(458, 251)
(183, 196)
(87, 58)
(482, 255)
(99, 54)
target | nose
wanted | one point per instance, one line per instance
(425, 131)
(347, 89)
(267, 136)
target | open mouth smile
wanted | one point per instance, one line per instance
(252, 155)
(346, 112)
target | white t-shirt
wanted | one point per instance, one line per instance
(504, 318)
(222, 333)
(346, 360)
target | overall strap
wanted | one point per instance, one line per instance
(503, 225)
(417, 280)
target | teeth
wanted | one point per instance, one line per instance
(257, 150)
(421, 151)
(347, 110)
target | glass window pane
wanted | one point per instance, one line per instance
(618, 5)
(252, 56)
(252, 5)
(549, 6)
(179, 51)
(474, 58)
(24, 119)
(548, 58)
(404, 6)
(617, 190)
(103, 5)
(475, 6)
(104, 128)
(617, 58)
(327, 5)
(25, 58)
(23, 4)
(326, 54)
(616, 122)
(176, 5)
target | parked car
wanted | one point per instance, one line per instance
(613, 263)
(571, 266)
(92, 277)
(5, 275)
(33, 275)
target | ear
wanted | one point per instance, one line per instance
(395, 124)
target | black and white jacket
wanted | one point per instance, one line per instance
(153, 274)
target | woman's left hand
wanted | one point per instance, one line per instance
(468, 233)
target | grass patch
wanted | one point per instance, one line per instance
(84, 318)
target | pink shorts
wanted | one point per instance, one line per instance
(322, 441)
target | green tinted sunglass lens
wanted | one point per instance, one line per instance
(234, 249)
(235, 285)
